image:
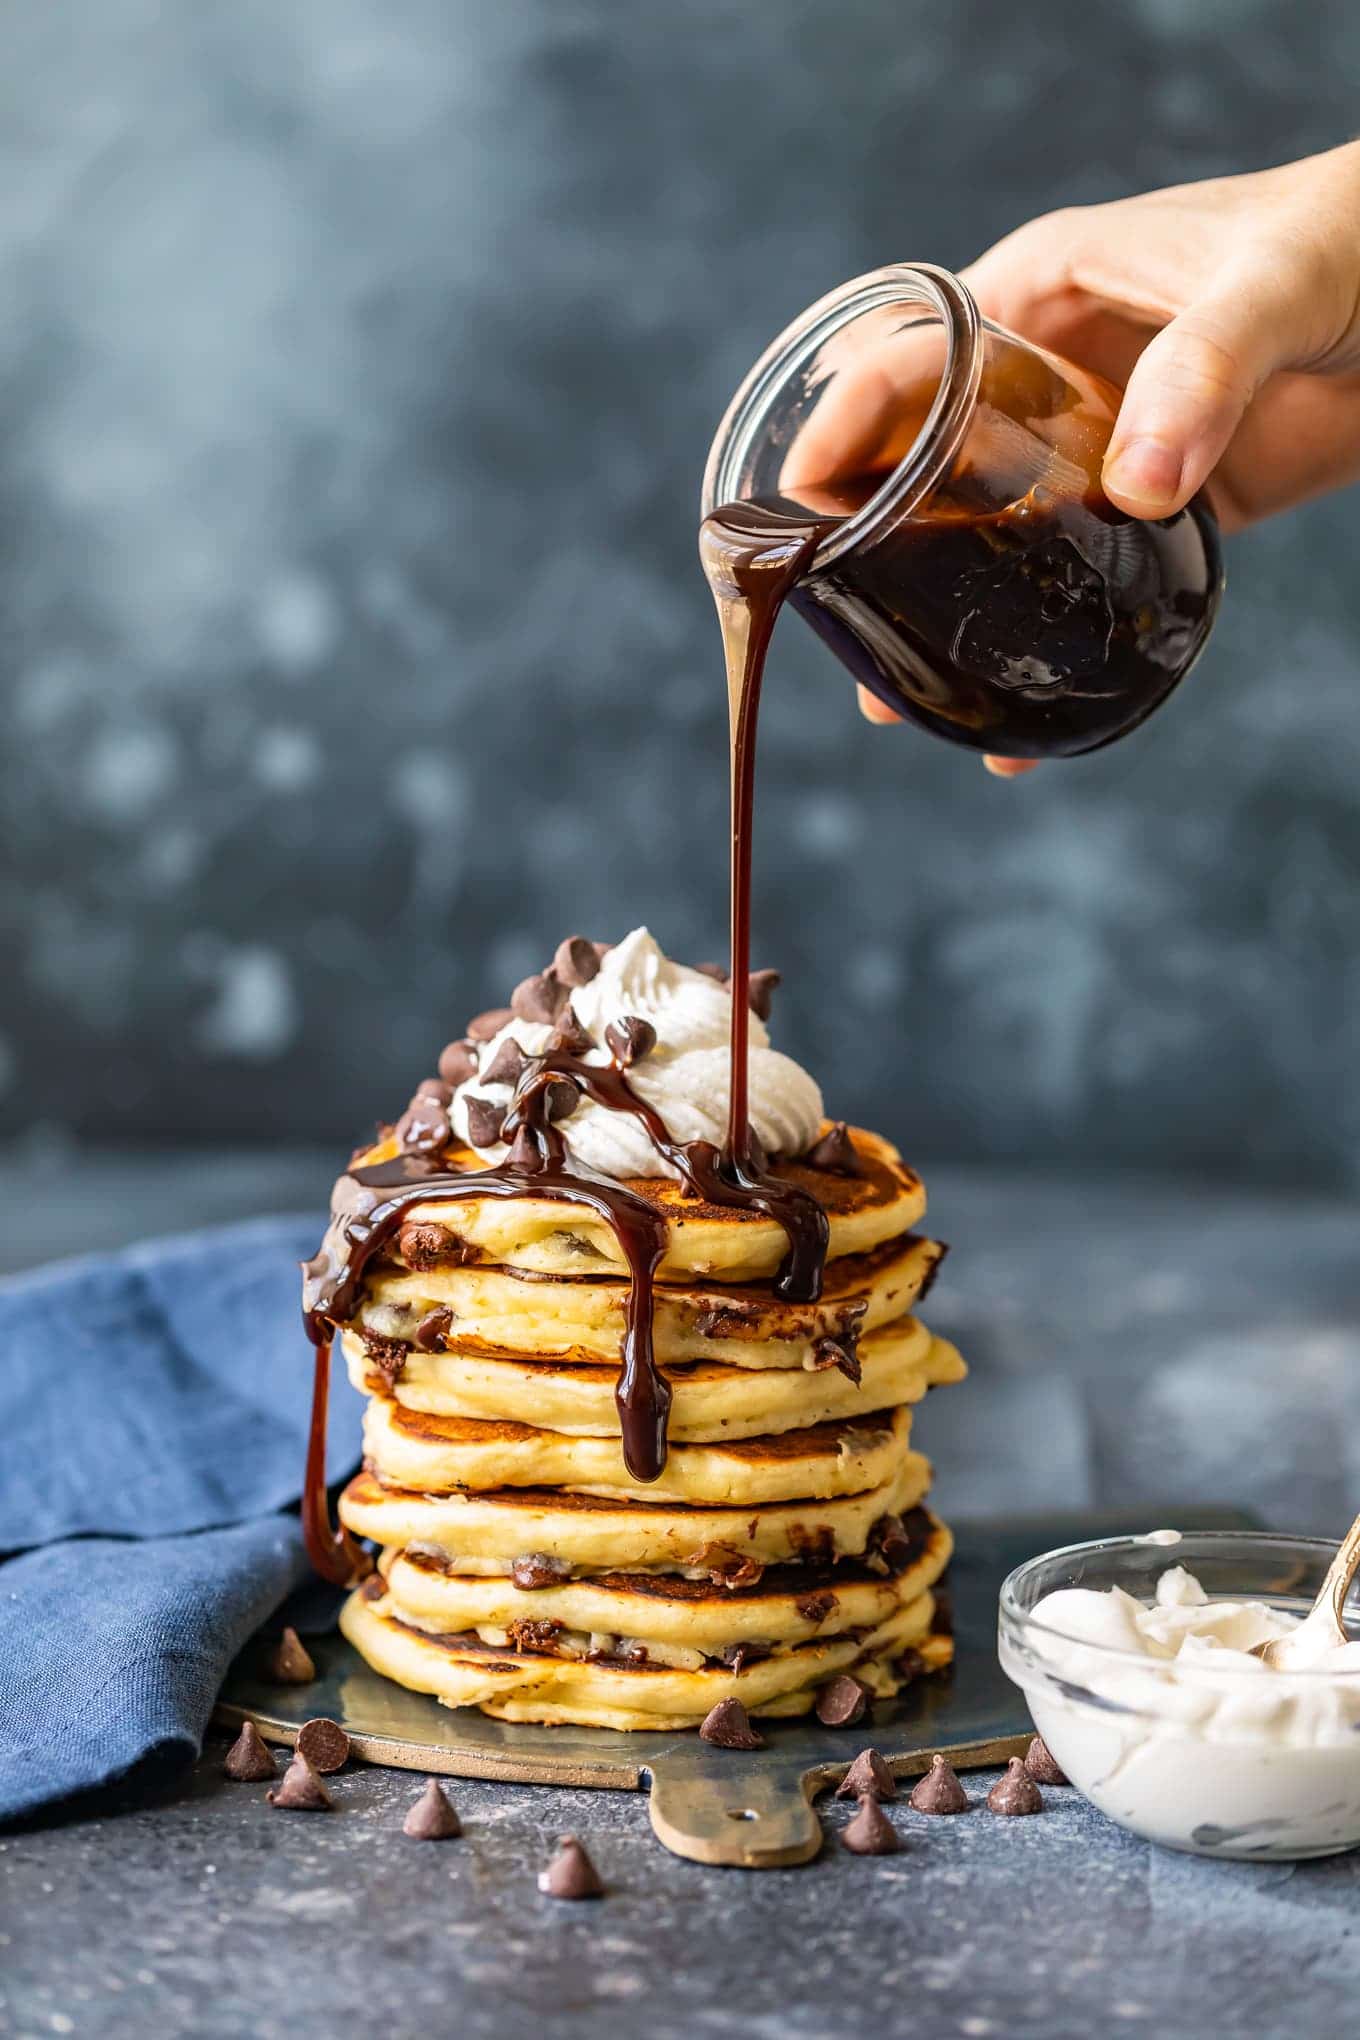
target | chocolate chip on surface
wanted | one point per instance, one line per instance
(289, 1663)
(324, 1744)
(1016, 1793)
(484, 1122)
(433, 1330)
(1042, 1766)
(629, 1039)
(939, 1791)
(540, 997)
(431, 1818)
(507, 1065)
(870, 1833)
(728, 1727)
(575, 960)
(835, 1153)
(816, 1607)
(485, 1026)
(571, 1874)
(301, 1791)
(457, 1062)
(761, 987)
(868, 1777)
(374, 1587)
(538, 1569)
(842, 1701)
(250, 1759)
(386, 1356)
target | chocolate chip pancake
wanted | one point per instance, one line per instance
(640, 1406)
(895, 1365)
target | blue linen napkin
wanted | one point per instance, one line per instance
(153, 1422)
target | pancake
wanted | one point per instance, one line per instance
(736, 1244)
(788, 1604)
(497, 1310)
(711, 1401)
(486, 1532)
(534, 1686)
(412, 1449)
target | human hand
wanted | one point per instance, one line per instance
(1229, 310)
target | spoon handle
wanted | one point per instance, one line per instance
(1342, 1570)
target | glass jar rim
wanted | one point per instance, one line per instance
(927, 459)
(1226, 1541)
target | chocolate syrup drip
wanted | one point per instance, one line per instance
(751, 570)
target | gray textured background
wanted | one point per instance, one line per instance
(358, 360)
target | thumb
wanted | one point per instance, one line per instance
(1185, 400)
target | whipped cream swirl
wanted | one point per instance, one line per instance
(684, 1077)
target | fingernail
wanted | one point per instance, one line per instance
(1009, 768)
(1144, 470)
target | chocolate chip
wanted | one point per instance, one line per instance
(563, 1098)
(537, 1569)
(842, 1701)
(526, 1634)
(815, 1607)
(761, 986)
(837, 1353)
(939, 1791)
(433, 1330)
(910, 1666)
(424, 1125)
(508, 1064)
(835, 1153)
(870, 1833)
(324, 1744)
(525, 1152)
(868, 1777)
(301, 1791)
(729, 1727)
(630, 1038)
(386, 1356)
(717, 971)
(457, 1063)
(484, 1121)
(250, 1760)
(539, 998)
(1016, 1793)
(569, 1037)
(736, 1656)
(571, 1874)
(893, 1543)
(436, 1088)
(373, 1588)
(431, 1818)
(576, 961)
(1042, 1766)
(422, 1245)
(741, 1572)
(486, 1026)
(290, 1665)
(726, 1320)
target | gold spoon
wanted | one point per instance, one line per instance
(1321, 1628)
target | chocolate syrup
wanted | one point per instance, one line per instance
(751, 569)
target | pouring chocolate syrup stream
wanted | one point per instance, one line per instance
(753, 557)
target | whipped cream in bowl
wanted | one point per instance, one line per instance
(1135, 1657)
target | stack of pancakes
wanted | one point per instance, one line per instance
(524, 1571)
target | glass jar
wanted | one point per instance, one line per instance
(974, 576)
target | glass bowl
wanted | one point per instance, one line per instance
(1220, 1761)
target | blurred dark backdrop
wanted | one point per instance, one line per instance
(358, 360)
